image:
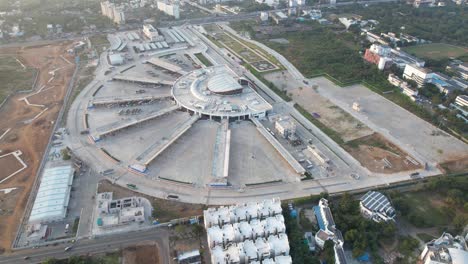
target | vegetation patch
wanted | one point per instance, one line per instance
(14, 77)
(203, 59)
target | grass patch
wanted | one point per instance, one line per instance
(437, 51)
(305, 223)
(203, 59)
(99, 41)
(76, 223)
(14, 77)
(421, 212)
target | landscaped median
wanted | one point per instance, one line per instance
(203, 59)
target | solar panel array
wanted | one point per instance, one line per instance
(377, 202)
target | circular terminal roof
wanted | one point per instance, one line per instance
(223, 83)
(215, 91)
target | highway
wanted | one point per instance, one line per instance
(92, 246)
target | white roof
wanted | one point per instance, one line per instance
(215, 235)
(279, 244)
(250, 250)
(116, 59)
(217, 255)
(53, 195)
(245, 229)
(274, 225)
(458, 256)
(283, 260)
(223, 82)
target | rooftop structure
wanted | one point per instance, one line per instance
(247, 232)
(376, 206)
(404, 86)
(217, 92)
(328, 230)
(448, 84)
(152, 33)
(378, 55)
(462, 100)
(417, 74)
(461, 69)
(189, 257)
(445, 250)
(53, 195)
(120, 211)
(116, 59)
(286, 127)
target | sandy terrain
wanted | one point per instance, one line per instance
(331, 115)
(141, 253)
(31, 137)
(8, 165)
(371, 150)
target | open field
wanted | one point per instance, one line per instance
(331, 115)
(415, 136)
(427, 206)
(164, 210)
(8, 202)
(9, 164)
(14, 76)
(436, 51)
(372, 150)
(32, 136)
(147, 252)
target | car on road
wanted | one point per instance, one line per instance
(26, 257)
(68, 248)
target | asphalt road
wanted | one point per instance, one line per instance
(109, 243)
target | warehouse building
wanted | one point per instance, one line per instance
(376, 206)
(53, 195)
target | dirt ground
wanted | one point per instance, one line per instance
(8, 201)
(8, 165)
(371, 150)
(455, 166)
(141, 253)
(331, 115)
(31, 137)
(165, 210)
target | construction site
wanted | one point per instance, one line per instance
(31, 114)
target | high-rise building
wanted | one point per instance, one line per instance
(170, 8)
(115, 13)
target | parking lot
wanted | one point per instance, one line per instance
(190, 158)
(414, 135)
(253, 159)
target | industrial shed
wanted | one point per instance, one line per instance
(53, 195)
